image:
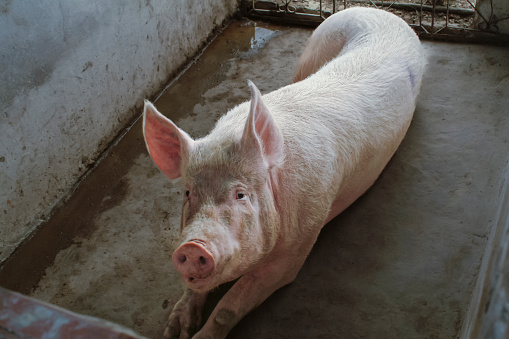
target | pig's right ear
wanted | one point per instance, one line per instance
(167, 144)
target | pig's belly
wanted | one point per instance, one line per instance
(362, 179)
(348, 196)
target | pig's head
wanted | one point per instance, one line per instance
(229, 220)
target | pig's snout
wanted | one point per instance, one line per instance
(193, 262)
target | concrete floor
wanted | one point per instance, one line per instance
(399, 263)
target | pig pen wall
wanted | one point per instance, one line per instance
(73, 74)
(488, 315)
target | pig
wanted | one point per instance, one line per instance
(277, 168)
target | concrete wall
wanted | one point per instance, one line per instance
(488, 316)
(494, 11)
(72, 74)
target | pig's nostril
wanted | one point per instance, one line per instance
(194, 262)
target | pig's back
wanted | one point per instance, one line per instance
(342, 124)
(367, 92)
(370, 37)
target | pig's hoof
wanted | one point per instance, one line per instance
(178, 328)
(186, 318)
(184, 321)
(167, 333)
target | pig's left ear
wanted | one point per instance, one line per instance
(261, 133)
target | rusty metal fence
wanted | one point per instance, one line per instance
(451, 20)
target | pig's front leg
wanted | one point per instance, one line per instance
(186, 317)
(246, 294)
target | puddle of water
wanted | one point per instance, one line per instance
(242, 40)
(259, 37)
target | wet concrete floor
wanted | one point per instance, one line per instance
(401, 262)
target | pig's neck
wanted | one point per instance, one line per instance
(272, 182)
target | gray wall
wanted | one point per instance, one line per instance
(488, 316)
(72, 74)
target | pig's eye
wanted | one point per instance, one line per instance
(241, 196)
(187, 193)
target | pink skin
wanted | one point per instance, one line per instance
(274, 170)
(194, 262)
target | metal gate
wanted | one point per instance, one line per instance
(451, 20)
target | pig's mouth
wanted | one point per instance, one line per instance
(198, 283)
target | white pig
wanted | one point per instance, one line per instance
(275, 170)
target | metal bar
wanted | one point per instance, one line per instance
(420, 19)
(394, 2)
(401, 6)
(433, 2)
(427, 8)
(427, 27)
(485, 20)
(464, 35)
(371, 2)
(447, 15)
(439, 30)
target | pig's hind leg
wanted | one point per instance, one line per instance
(186, 317)
(324, 45)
